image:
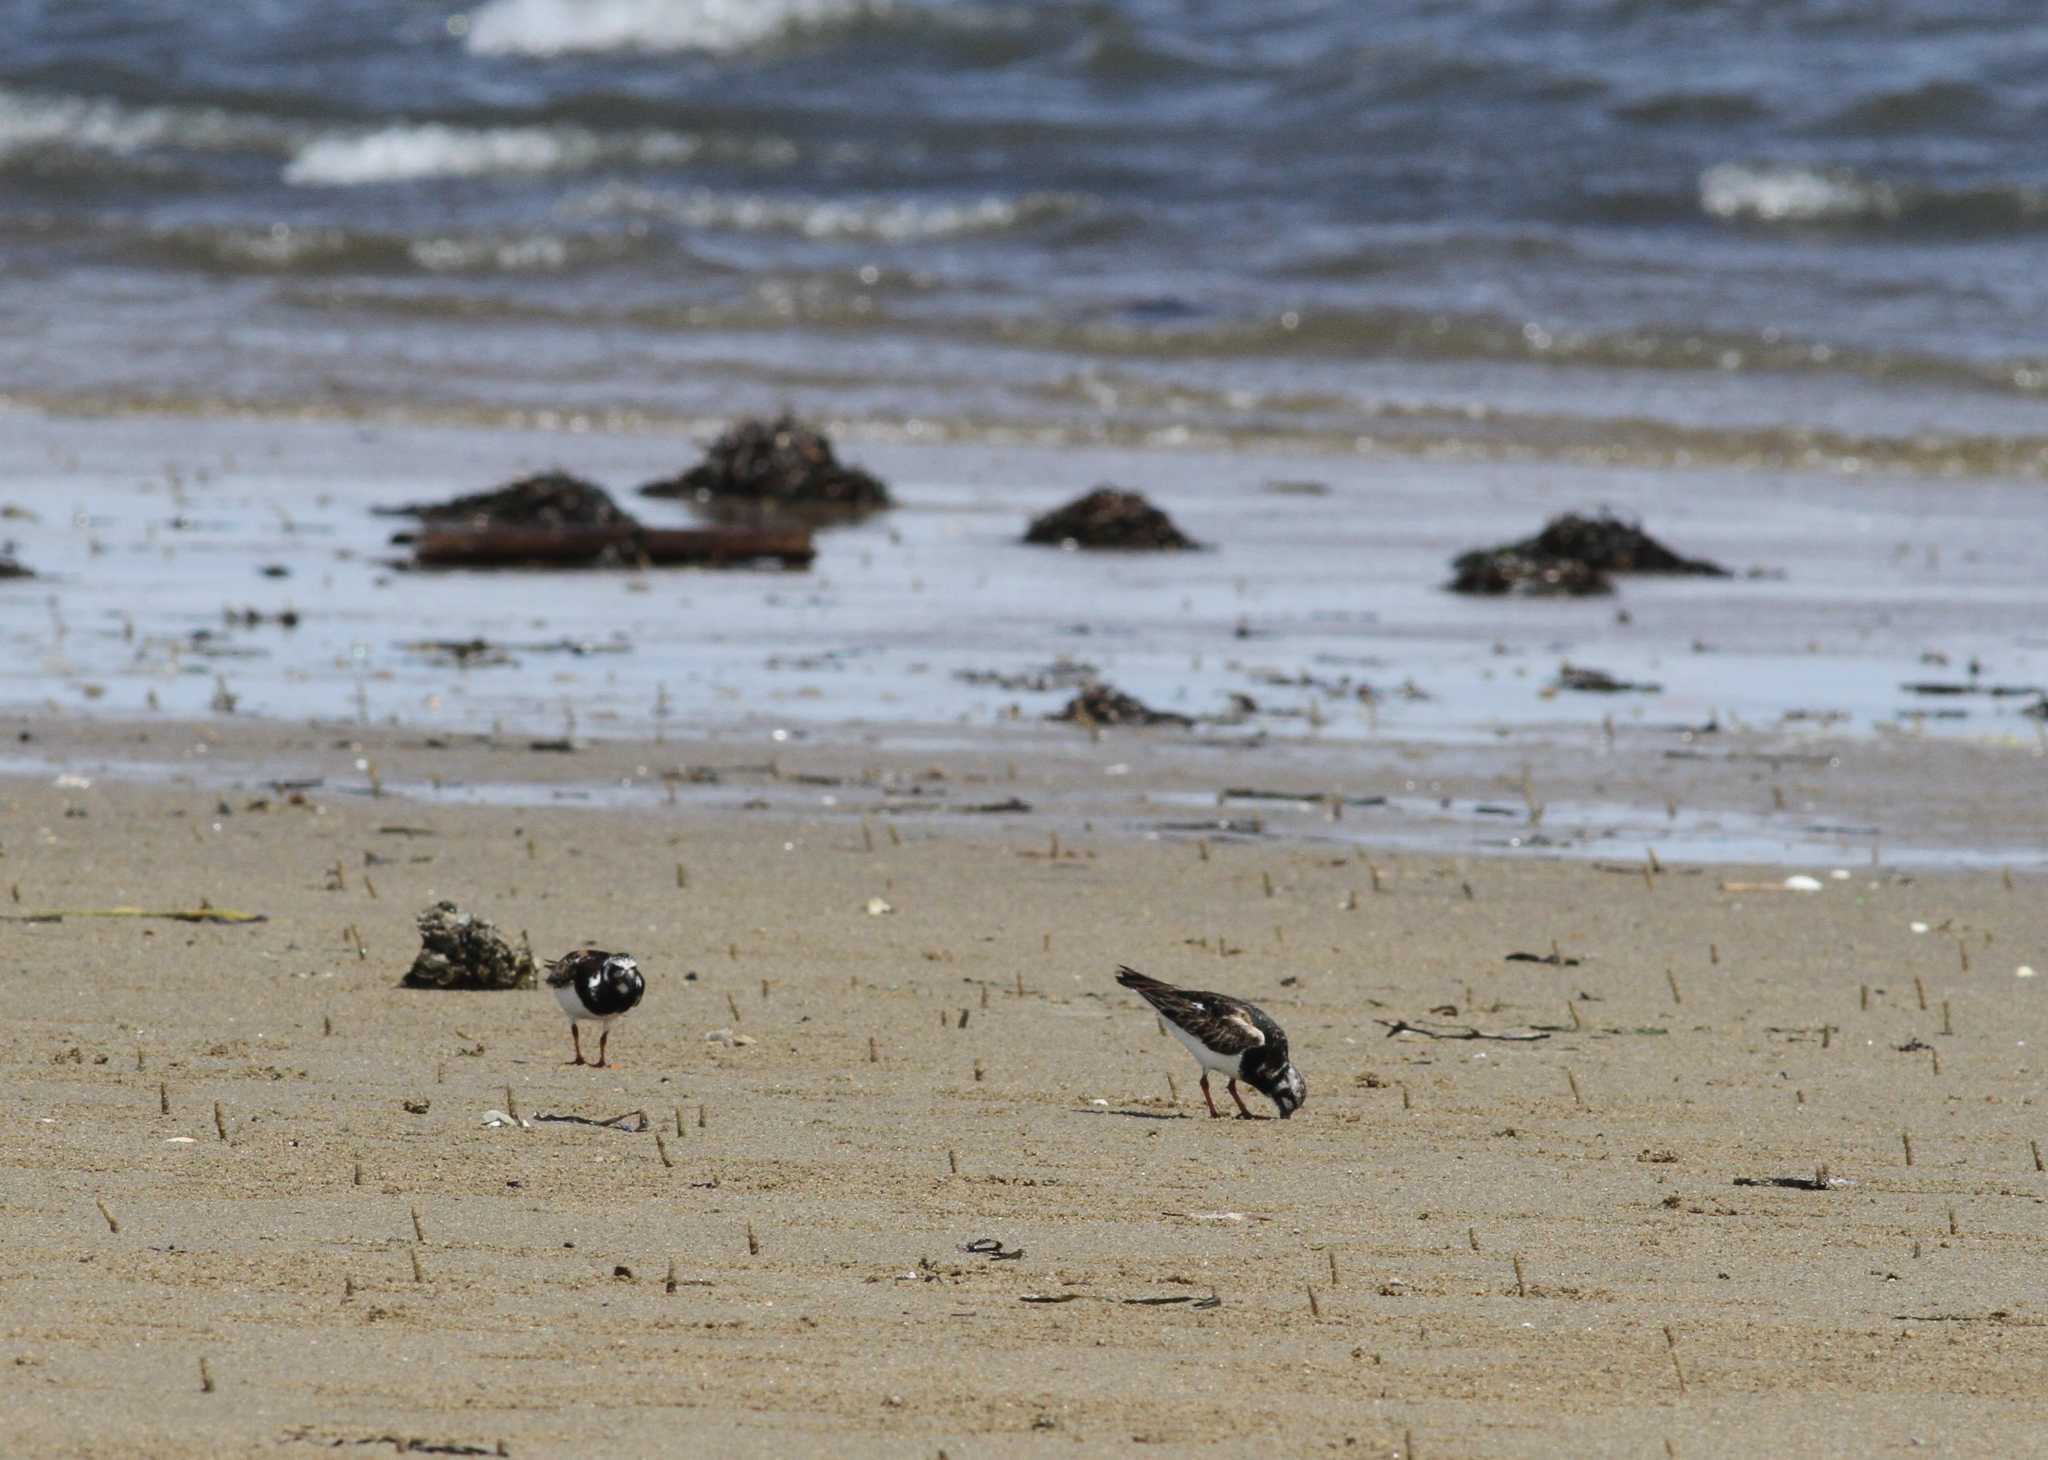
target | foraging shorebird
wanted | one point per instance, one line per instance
(596, 986)
(1233, 1038)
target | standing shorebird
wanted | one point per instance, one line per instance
(593, 985)
(1236, 1039)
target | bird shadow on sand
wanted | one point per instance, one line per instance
(1142, 1114)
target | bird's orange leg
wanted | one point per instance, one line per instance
(1208, 1097)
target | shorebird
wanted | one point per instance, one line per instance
(1236, 1039)
(593, 985)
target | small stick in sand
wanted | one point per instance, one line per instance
(220, 1123)
(682, 875)
(1963, 954)
(700, 1117)
(1045, 943)
(661, 1150)
(1906, 1139)
(326, 1024)
(1315, 1309)
(369, 886)
(163, 1097)
(1656, 867)
(1521, 1287)
(977, 1072)
(1267, 879)
(419, 1233)
(1472, 1236)
(732, 1004)
(753, 1242)
(1671, 1345)
(1469, 894)
(1863, 998)
(1920, 991)
(1937, 1060)
(679, 1122)
(1331, 1253)
(732, 951)
(418, 1274)
(1827, 1034)
(1953, 1229)
(984, 996)
(1407, 1445)
(963, 1019)
(1020, 983)
(1649, 879)
(2035, 1147)
(359, 1174)
(511, 1105)
(1714, 954)
(764, 990)
(1798, 1097)
(874, 1055)
(1573, 1010)
(140, 1063)
(1202, 849)
(348, 1287)
(1672, 979)
(1172, 1089)
(669, 1286)
(952, 1162)
(112, 1225)
(1573, 1080)
(1406, 1103)
(1947, 1025)
(205, 1376)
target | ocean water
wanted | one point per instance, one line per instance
(1788, 233)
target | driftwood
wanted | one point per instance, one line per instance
(597, 547)
(1455, 1031)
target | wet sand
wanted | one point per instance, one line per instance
(1705, 1037)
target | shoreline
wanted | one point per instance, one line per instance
(1731, 798)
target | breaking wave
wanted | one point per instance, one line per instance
(888, 220)
(1741, 192)
(561, 27)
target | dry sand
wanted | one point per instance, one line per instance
(1658, 1307)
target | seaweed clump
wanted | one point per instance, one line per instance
(1571, 557)
(777, 464)
(550, 499)
(1110, 518)
(461, 951)
(1099, 704)
(10, 567)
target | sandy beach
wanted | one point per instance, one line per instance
(1588, 1242)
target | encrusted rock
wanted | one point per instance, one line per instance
(1099, 704)
(550, 499)
(1109, 517)
(461, 951)
(779, 463)
(1571, 556)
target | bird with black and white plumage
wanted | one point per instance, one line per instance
(1229, 1036)
(595, 987)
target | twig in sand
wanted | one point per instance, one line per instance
(1455, 1031)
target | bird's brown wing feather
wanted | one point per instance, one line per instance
(564, 969)
(1218, 1020)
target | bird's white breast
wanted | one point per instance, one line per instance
(572, 1005)
(1208, 1058)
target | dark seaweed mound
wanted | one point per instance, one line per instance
(1098, 704)
(1571, 557)
(1109, 518)
(551, 499)
(780, 463)
(9, 568)
(459, 951)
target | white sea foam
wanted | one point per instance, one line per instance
(888, 220)
(406, 153)
(29, 120)
(557, 27)
(1737, 190)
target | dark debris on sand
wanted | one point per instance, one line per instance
(11, 567)
(460, 951)
(1099, 704)
(1110, 518)
(779, 463)
(1571, 557)
(1585, 679)
(553, 499)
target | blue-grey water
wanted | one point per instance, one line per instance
(1803, 232)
